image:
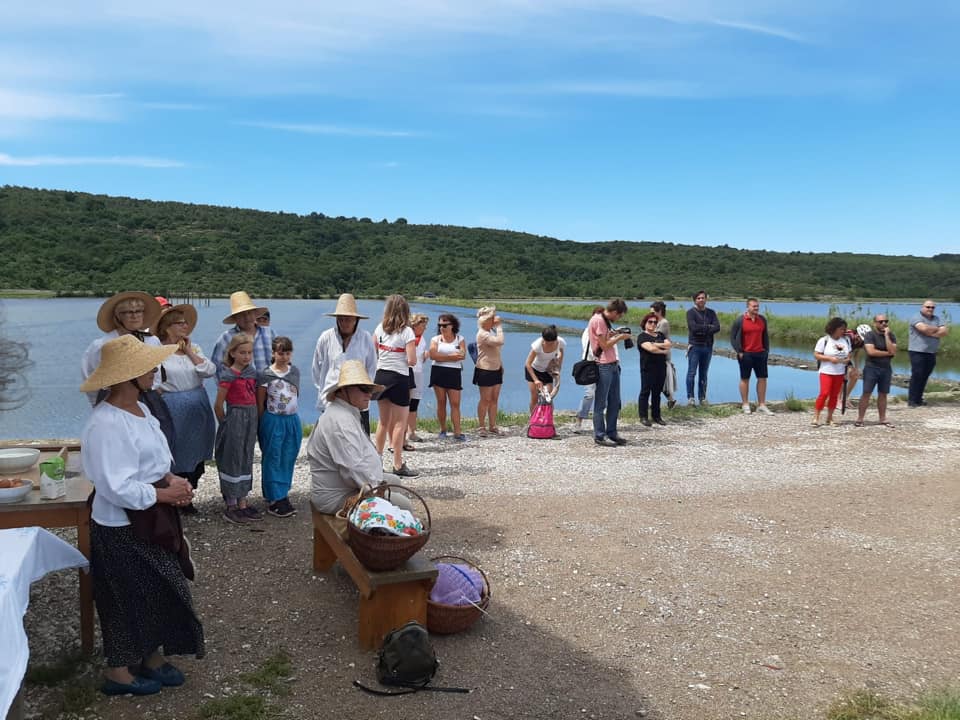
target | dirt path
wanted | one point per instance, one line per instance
(741, 567)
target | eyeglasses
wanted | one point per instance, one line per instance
(652, 322)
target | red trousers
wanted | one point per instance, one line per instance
(830, 387)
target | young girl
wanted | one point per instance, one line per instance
(237, 433)
(396, 356)
(280, 432)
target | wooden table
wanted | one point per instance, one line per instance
(69, 511)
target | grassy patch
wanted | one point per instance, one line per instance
(67, 667)
(237, 707)
(79, 696)
(793, 403)
(865, 705)
(272, 673)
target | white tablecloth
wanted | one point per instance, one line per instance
(26, 555)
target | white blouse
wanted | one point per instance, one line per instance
(182, 374)
(122, 456)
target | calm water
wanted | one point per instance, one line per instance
(59, 330)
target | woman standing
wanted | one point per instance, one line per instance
(396, 356)
(586, 353)
(663, 327)
(654, 348)
(140, 588)
(832, 351)
(182, 386)
(488, 373)
(418, 322)
(545, 357)
(447, 350)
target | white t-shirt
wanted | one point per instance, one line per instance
(542, 360)
(182, 374)
(392, 349)
(839, 348)
(447, 348)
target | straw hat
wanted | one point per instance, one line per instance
(106, 315)
(346, 307)
(241, 302)
(352, 372)
(486, 311)
(125, 358)
(189, 314)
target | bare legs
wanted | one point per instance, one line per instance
(487, 407)
(393, 425)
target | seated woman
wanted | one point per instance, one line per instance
(342, 458)
(183, 374)
(141, 592)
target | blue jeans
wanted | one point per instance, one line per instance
(606, 401)
(921, 365)
(698, 358)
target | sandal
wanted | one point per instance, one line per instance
(887, 424)
(858, 423)
(407, 447)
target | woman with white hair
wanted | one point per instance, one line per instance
(488, 373)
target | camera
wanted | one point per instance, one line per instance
(628, 342)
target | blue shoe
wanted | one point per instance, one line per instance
(139, 686)
(460, 438)
(166, 674)
(442, 435)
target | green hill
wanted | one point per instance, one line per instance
(73, 242)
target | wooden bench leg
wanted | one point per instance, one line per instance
(323, 556)
(391, 606)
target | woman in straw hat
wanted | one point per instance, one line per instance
(182, 386)
(342, 458)
(126, 313)
(243, 316)
(140, 589)
(344, 341)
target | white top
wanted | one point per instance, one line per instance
(585, 346)
(123, 455)
(91, 359)
(392, 349)
(182, 374)
(839, 349)
(342, 458)
(329, 356)
(282, 395)
(447, 348)
(542, 361)
(423, 347)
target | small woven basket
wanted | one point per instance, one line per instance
(444, 619)
(385, 552)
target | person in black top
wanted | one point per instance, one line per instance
(654, 347)
(702, 325)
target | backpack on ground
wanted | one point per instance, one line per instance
(407, 660)
(541, 425)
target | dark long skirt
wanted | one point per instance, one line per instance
(142, 598)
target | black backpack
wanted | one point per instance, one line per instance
(407, 660)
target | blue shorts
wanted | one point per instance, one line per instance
(757, 362)
(879, 378)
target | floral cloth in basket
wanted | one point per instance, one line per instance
(376, 513)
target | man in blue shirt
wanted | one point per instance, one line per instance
(243, 315)
(702, 325)
(926, 329)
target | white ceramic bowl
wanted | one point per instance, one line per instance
(12, 495)
(17, 460)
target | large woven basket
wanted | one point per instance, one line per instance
(444, 619)
(386, 552)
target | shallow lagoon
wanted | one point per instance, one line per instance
(59, 330)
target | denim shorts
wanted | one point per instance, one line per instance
(876, 377)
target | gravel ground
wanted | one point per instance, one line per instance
(747, 566)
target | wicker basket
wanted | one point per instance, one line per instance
(386, 552)
(445, 619)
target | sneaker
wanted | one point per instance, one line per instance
(670, 403)
(404, 471)
(691, 402)
(746, 408)
(763, 409)
(460, 438)
(442, 435)
(618, 440)
(281, 509)
(704, 402)
(252, 513)
(235, 515)
(604, 442)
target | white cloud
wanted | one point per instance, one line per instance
(762, 30)
(62, 160)
(319, 129)
(17, 104)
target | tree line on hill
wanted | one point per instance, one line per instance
(74, 242)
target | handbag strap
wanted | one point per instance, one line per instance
(408, 691)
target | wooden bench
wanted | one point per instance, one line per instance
(388, 599)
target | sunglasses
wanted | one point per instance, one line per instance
(444, 324)
(929, 307)
(883, 322)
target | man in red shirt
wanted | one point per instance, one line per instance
(750, 341)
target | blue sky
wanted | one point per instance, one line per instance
(813, 126)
